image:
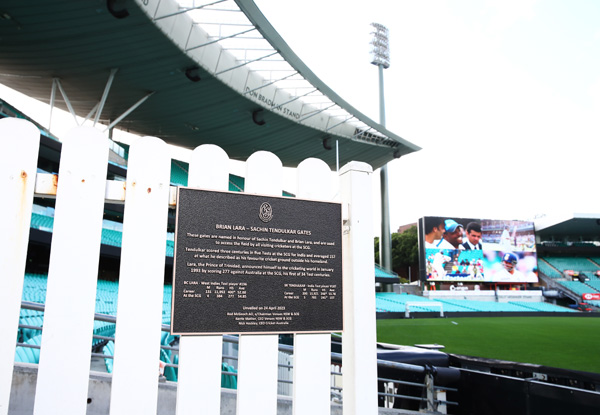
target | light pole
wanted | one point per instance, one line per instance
(380, 57)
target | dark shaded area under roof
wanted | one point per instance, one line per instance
(573, 227)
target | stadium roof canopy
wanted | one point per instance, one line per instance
(569, 226)
(204, 72)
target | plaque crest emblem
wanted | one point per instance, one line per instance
(265, 212)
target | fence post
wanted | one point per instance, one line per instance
(199, 377)
(258, 356)
(17, 175)
(360, 333)
(63, 371)
(312, 352)
(141, 279)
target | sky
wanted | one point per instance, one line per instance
(503, 97)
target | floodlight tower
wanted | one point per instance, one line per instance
(380, 57)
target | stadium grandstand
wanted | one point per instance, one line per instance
(196, 89)
(567, 271)
(234, 113)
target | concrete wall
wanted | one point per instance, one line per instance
(501, 296)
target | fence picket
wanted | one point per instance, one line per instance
(141, 277)
(199, 381)
(17, 175)
(359, 364)
(63, 371)
(258, 356)
(312, 352)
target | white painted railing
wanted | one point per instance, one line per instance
(81, 190)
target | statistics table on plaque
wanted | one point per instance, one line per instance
(248, 263)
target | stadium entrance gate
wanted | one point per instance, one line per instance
(81, 190)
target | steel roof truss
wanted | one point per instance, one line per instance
(313, 113)
(92, 112)
(109, 82)
(294, 99)
(339, 123)
(245, 63)
(187, 9)
(219, 39)
(129, 111)
(64, 95)
(52, 97)
(270, 83)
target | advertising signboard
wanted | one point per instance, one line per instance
(479, 250)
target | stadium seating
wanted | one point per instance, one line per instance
(111, 237)
(544, 307)
(595, 284)
(548, 270)
(29, 354)
(236, 183)
(392, 302)
(42, 222)
(179, 173)
(179, 176)
(572, 263)
(109, 350)
(577, 287)
(595, 303)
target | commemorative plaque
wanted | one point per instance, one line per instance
(256, 264)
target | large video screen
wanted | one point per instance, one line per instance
(479, 250)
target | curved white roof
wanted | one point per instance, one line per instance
(190, 73)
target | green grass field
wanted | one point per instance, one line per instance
(563, 342)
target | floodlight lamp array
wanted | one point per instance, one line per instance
(380, 45)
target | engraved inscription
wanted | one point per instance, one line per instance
(236, 274)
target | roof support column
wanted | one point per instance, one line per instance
(129, 111)
(52, 97)
(111, 77)
(64, 95)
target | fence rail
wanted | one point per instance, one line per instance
(81, 191)
(336, 392)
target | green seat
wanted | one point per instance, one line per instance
(29, 354)
(109, 350)
(170, 373)
(228, 381)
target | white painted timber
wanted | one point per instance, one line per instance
(139, 312)
(63, 372)
(199, 376)
(20, 140)
(312, 352)
(359, 366)
(258, 355)
(46, 184)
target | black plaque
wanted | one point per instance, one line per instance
(256, 264)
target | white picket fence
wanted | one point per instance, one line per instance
(63, 371)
